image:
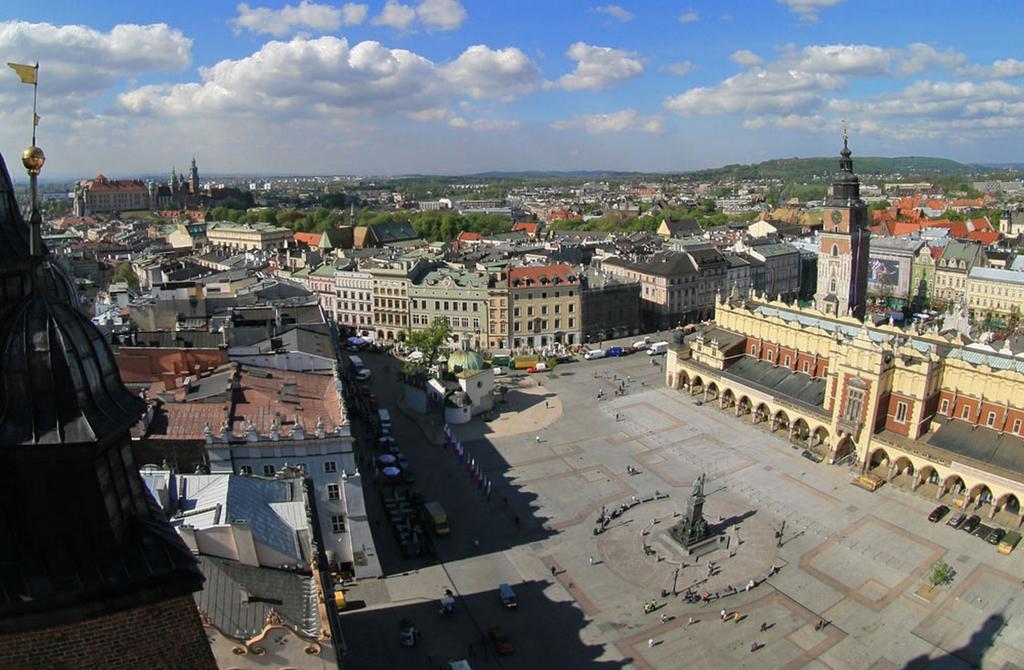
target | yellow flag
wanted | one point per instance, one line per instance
(28, 73)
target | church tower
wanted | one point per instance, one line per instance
(193, 178)
(92, 575)
(845, 241)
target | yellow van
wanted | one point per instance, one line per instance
(1009, 542)
(869, 482)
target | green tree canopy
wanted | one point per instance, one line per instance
(124, 273)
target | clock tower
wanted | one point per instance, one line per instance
(845, 240)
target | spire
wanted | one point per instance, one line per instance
(846, 186)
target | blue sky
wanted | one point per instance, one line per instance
(454, 86)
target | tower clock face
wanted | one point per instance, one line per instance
(837, 216)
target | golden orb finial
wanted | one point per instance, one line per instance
(33, 159)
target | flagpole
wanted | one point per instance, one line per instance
(35, 90)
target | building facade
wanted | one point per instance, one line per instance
(390, 281)
(354, 303)
(545, 306)
(459, 297)
(609, 306)
(101, 195)
(247, 236)
(497, 313)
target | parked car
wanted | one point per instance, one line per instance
(500, 640)
(498, 371)
(996, 536)
(938, 513)
(982, 531)
(613, 351)
(956, 520)
(971, 523)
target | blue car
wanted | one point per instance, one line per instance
(613, 351)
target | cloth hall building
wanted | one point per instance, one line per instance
(926, 409)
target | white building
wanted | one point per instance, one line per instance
(354, 303)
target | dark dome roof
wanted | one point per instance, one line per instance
(60, 383)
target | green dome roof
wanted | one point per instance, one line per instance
(466, 360)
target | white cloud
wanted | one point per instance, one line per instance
(441, 14)
(682, 68)
(746, 58)
(614, 122)
(289, 19)
(755, 123)
(851, 59)
(80, 62)
(758, 90)
(490, 125)
(366, 80)
(919, 57)
(807, 10)
(353, 13)
(1011, 68)
(689, 17)
(433, 14)
(482, 72)
(597, 68)
(395, 15)
(616, 12)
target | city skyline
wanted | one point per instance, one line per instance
(448, 87)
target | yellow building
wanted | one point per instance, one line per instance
(927, 411)
(992, 291)
(247, 236)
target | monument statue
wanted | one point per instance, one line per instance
(693, 529)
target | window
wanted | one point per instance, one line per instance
(835, 250)
(330, 466)
(991, 420)
(901, 412)
(944, 407)
(753, 351)
(785, 361)
(333, 492)
(966, 413)
(268, 470)
(247, 469)
(338, 523)
(515, 311)
(854, 404)
(807, 367)
(1016, 426)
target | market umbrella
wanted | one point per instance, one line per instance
(386, 458)
(391, 471)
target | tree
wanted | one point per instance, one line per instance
(124, 273)
(430, 339)
(941, 573)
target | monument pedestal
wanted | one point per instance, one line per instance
(705, 546)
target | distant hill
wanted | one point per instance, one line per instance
(812, 168)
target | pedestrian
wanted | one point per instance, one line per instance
(650, 643)
(664, 618)
(689, 622)
(754, 647)
(591, 560)
(538, 439)
(721, 615)
(764, 627)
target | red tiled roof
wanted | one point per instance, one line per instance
(467, 236)
(525, 226)
(309, 239)
(984, 236)
(534, 273)
(936, 252)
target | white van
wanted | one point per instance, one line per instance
(657, 348)
(594, 353)
(640, 345)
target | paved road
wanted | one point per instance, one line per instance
(848, 556)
